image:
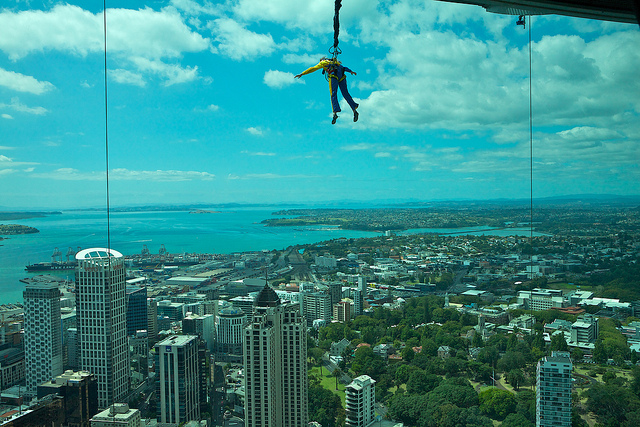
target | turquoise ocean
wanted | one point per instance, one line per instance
(224, 231)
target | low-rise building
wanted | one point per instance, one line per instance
(118, 414)
(585, 329)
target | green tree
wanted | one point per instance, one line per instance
(324, 406)
(611, 403)
(497, 403)
(420, 382)
(515, 377)
(558, 343)
(407, 354)
(457, 391)
(599, 352)
(315, 354)
(511, 360)
(516, 420)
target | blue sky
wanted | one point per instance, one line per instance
(203, 106)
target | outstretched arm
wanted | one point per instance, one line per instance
(349, 70)
(309, 70)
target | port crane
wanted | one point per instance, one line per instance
(56, 256)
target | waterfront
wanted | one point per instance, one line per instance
(225, 231)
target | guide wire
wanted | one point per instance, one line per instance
(106, 149)
(530, 154)
(106, 132)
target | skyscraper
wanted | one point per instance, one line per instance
(230, 324)
(317, 305)
(553, 393)
(360, 399)
(43, 334)
(177, 391)
(335, 292)
(362, 285)
(100, 304)
(152, 320)
(275, 362)
(358, 302)
(136, 303)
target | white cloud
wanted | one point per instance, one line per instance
(311, 16)
(7, 116)
(306, 59)
(256, 131)
(382, 154)
(5, 147)
(120, 174)
(21, 83)
(127, 77)
(171, 73)
(16, 105)
(194, 8)
(9, 163)
(358, 147)
(261, 176)
(144, 33)
(237, 42)
(211, 108)
(7, 171)
(435, 76)
(279, 79)
(257, 153)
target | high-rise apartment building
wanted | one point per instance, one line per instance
(43, 334)
(152, 320)
(275, 363)
(342, 311)
(358, 302)
(178, 381)
(360, 399)
(553, 393)
(101, 312)
(335, 292)
(136, 303)
(362, 285)
(317, 305)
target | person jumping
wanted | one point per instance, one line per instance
(335, 72)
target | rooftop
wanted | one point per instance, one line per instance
(97, 253)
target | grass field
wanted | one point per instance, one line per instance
(328, 381)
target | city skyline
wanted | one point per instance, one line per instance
(203, 107)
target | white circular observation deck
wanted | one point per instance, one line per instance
(97, 253)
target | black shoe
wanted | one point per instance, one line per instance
(355, 116)
(335, 117)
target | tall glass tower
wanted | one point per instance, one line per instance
(101, 313)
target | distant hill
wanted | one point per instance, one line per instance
(13, 215)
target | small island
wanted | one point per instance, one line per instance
(203, 211)
(12, 229)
